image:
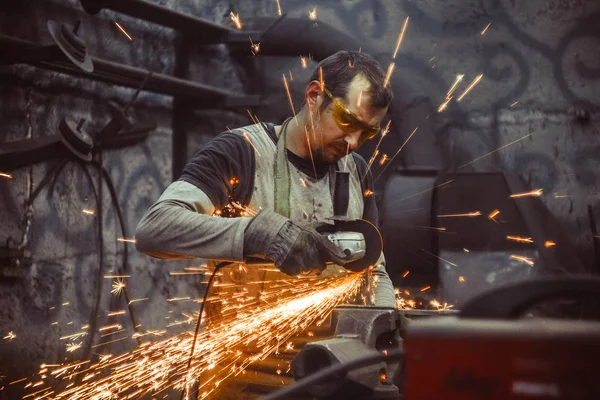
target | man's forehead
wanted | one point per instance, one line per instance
(358, 101)
(359, 86)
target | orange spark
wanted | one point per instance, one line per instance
(435, 228)
(400, 37)
(303, 62)
(397, 152)
(470, 214)
(457, 81)
(426, 288)
(254, 47)
(303, 182)
(113, 313)
(287, 90)
(461, 279)
(492, 152)
(519, 239)
(88, 211)
(126, 240)
(383, 159)
(236, 20)
(321, 80)
(444, 105)
(136, 300)
(123, 30)
(388, 75)
(250, 141)
(160, 365)
(533, 193)
(405, 274)
(485, 29)
(368, 192)
(515, 103)
(526, 260)
(5, 175)
(9, 336)
(549, 243)
(117, 287)
(449, 96)
(471, 86)
(312, 14)
(494, 214)
(179, 298)
(71, 347)
(108, 327)
(310, 150)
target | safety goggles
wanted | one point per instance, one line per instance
(349, 122)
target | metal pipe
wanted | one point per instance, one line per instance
(207, 31)
(206, 96)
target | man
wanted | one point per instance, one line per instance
(281, 176)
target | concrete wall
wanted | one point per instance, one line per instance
(543, 54)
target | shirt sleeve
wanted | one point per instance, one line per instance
(179, 226)
(223, 169)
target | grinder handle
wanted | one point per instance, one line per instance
(510, 302)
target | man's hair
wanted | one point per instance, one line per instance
(340, 68)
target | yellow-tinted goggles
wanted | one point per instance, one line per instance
(349, 122)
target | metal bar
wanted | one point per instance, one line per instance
(17, 154)
(193, 26)
(206, 96)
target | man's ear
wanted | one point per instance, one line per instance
(313, 95)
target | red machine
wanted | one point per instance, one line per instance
(482, 355)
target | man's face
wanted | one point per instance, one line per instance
(329, 142)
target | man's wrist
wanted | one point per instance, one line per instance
(261, 232)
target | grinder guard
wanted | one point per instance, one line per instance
(372, 242)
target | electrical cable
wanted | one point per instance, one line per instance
(115, 201)
(57, 168)
(286, 392)
(93, 320)
(198, 321)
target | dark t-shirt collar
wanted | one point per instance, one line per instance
(304, 165)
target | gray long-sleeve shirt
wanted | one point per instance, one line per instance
(181, 224)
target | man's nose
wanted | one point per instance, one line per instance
(352, 139)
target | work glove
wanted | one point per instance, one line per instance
(293, 249)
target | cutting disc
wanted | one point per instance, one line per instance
(373, 239)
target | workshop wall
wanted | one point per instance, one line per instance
(540, 66)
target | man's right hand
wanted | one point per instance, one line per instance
(293, 249)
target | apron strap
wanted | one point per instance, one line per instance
(282, 174)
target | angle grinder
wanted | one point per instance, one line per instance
(360, 241)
